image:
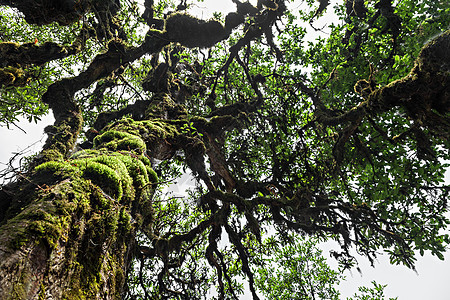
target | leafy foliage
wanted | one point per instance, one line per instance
(298, 270)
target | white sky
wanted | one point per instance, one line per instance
(433, 278)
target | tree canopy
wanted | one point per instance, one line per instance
(340, 132)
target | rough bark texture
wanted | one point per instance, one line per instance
(68, 230)
(71, 242)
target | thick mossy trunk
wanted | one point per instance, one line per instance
(67, 230)
(70, 241)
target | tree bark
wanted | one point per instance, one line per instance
(70, 242)
(69, 227)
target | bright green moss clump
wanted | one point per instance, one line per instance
(109, 172)
(86, 153)
(124, 222)
(62, 169)
(136, 169)
(152, 176)
(117, 174)
(152, 131)
(118, 140)
(118, 165)
(105, 177)
(115, 163)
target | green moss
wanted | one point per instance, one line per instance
(83, 209)
(124, 222)
(67, 213)
(83, 285)
(150, 130)
(115, 162)
(161, 129)
(145, 160)
(120, 280)
(55, 169)
(42, 292)
(46, 219)
(104, 177)
(127, 169)
(13, 76)
(64, 136)
(87, 153)
(133, 172)
(136, 169)
(21, 287)
(51, 155)
(116, 174)
(102, 230)
(49, 226)
(118, 140)
(152, 176)
(110, 223)
(154, 133)
(161, 105)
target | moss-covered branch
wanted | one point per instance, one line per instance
(14, 54)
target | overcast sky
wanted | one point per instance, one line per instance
(432, 280)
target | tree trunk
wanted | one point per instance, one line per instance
(67, 228)
(69, 241)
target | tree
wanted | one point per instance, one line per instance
(344, 137)
(297, 270)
